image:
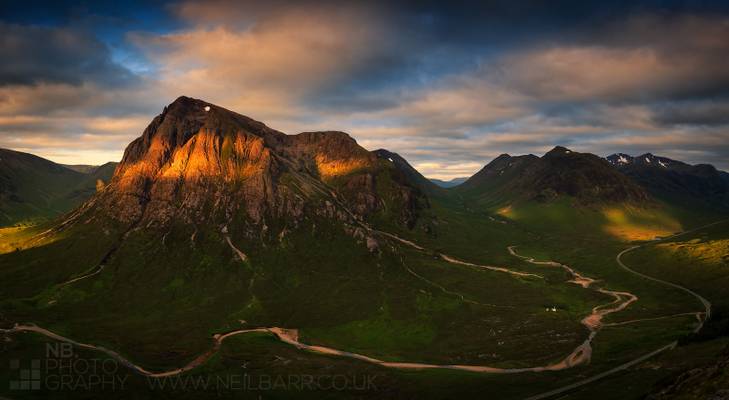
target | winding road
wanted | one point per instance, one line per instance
(454, 260)
(707, 305)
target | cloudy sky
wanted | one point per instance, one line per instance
(448, 85)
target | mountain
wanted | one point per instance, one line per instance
(200, 163)
(411, 175)
(33, 188)
(619, 159)
(495, 178)
(584, 177)
(449, 183)
(675, 181)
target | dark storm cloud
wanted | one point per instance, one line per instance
(612, 52)
(148, 15)
(33, 55)
(700, 112)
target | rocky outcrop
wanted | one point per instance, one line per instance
(327, 154)
(196, 160)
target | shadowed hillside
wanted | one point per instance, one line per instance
(33, 189)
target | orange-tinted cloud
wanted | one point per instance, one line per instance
(267, 67)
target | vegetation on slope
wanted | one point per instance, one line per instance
(33, 189)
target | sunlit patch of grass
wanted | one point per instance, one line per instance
(561, 215)
(16, 237)
(714, 252)
(507, 212)
(630, 224)
(620, 222)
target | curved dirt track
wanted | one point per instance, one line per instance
(454, 260)
(199, 360)
(592, 322)
(96, 271)
(706, 303)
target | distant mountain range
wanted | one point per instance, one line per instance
(590, 179)
(449, 183)
(661, 177)
(83, 168)
(584, 177)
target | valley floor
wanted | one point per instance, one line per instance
(433, 317)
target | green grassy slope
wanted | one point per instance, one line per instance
(700, 262)
(33, 189)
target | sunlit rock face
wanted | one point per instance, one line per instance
(330, 154)
(190, 161)
(200, 162)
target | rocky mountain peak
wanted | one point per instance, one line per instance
(500, 162)
(558, 151)
(648, 159)
(619, 159)
(183, 119)
(407, 174)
